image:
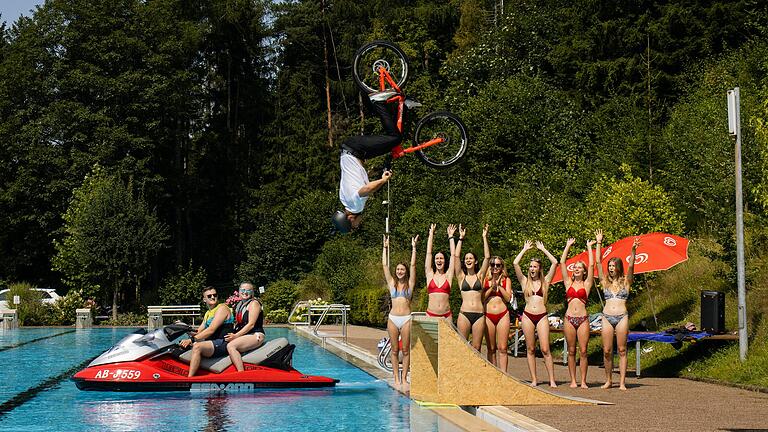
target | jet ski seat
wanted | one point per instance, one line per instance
(256, 356)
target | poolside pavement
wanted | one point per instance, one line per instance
(649, 404)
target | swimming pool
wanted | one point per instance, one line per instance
(36, 393)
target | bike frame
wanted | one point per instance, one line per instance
(398, 151)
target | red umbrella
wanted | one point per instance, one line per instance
(657, 251)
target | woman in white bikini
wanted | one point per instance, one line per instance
(399, 322)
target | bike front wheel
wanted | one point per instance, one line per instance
(452, 135)
(372, 57)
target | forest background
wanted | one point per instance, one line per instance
(149, 147)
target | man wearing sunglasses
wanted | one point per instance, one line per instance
(208, 340)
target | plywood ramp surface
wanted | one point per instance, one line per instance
(449, 370)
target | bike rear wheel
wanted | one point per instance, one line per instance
(443, 125)
(370, 57)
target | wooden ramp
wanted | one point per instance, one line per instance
(446, 369)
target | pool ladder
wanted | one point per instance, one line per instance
(321, 312)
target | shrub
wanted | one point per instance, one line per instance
(31, 309)
(184, 286)
(277, 316)
(368, 306)
(65, 308)
(314, 286)
(128, 319)
(280, 295)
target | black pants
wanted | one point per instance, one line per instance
(368, 146)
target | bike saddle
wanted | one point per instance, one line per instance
(381, 96)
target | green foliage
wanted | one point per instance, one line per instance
(339, 263)
(31, 310)
(368, 306)
(277, 316)
(65, 308)
(128, 319)
(285, 244)
(184, 286)
(313, 286)
(111, 236)
(630, 206)
(281, 294)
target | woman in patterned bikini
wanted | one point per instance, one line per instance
(497, 292)
(577, 288)
(399, 322)
(535, 288)
(616, 286)
(439, 277)
(468, 277)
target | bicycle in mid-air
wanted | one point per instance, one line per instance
(440, 138)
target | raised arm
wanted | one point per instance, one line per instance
(428, 272)
(552, 260)
(451, 267)
(591, 270)
(457, 255)
(412, 279)
(375, 185)
(516, 263)
(631, 267)
(486, 252)
(385, 263)
(563, 268)
(599, 258)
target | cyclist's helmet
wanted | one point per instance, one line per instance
(341, 222)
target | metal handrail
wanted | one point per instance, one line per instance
(295, 308)
(329, 310)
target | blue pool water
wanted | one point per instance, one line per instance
(36, 393)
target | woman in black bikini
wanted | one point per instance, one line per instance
(535, 288)
(467, 276)
(576, 318)
(616, 286)
(399, 322)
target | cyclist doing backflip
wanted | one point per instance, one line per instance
(354, 186)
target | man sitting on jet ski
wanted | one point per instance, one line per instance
(249, 326)
(208, 340)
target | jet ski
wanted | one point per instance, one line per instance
(151, 361)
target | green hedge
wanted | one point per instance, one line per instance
(369, 306)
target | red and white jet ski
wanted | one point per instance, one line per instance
(150, 361)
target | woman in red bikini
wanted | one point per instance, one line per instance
(535, 288)
(468, 277)
(497, 292)
(577, 288)
(439, 278)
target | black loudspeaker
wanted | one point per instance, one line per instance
(713, 311)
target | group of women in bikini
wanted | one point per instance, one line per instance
(486, 290)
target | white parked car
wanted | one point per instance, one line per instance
(49, 296)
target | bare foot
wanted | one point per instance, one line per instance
(584, 386)
(606, 385)
(573, 384)
(622, 387)
(533, 384)
(406, 387)
(553, 384)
